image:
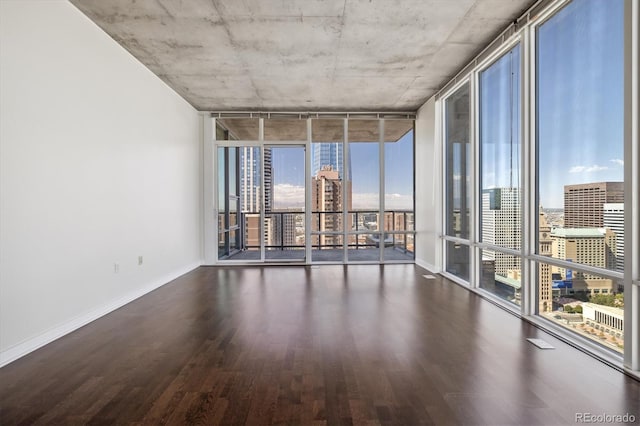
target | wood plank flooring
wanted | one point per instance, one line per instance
(331, 345)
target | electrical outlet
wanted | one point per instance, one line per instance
(116, 268)
(140, 260)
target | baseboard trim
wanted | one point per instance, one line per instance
(429, 267)
(21, 349)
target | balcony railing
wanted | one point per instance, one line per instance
(284, 230)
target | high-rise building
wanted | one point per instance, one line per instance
(326, 196)
(586, 246)
(545, 248)
(583, 203)
(250, 178)
(283, 234)
(251, 192)
(328, 154)
(613, 217)
(501, 226)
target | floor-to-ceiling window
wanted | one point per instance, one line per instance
(580, 174)
(325, 189)
(364, 217)
(500, 188)
(399, 222)
(545, 229)
(458, 189)
(330, 190)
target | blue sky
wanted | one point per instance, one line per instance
(288, 174)
(580, 104)
(580, 69)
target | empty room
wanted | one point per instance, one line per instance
(319, 212)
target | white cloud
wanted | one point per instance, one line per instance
(287, 195)
(618, 161)
(371, 201)
(398, 202)
(587, 169)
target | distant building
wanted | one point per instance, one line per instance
(250, 177)
(613, 217)
(283, 234)
(586, 246)
(251, 193)
(583, 203)
(545, 243)
(326, 196)
(610, 319)
(501, 226)
(328, 154)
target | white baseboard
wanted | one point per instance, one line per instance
(21, 349)
(429, 267)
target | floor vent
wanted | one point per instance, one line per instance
(541, 343)
(429, 277)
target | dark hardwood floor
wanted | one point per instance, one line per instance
(313, 346)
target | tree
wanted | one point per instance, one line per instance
(607, 299)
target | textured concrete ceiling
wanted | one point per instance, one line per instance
(322, 130)
(304, 55)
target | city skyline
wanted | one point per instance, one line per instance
(289, 175)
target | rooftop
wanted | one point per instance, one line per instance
(578, 232)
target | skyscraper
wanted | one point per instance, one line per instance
(326, 196)
(583, 203)
(328, 154)
(501, 226)
(586, 246)
(251, 191)
(545, 248)
(613, 218)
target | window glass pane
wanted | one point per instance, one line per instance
(398, 247)
(580, 134)
(221, 132)
(326, 248)
(458, 163)
(222, 246)
(244, 129)
(364, 176)
(500, 274)
(364, 154)
(285, 129)
(233, 171)
(364, 247)
(328, 183)
(500, 152)
(233, 212)
(398, 175)
(250, 178)
(285, 221)
(587, 304)
(458, 260)
(222, 198)
(327, 130)
(233, 241)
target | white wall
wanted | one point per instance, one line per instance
(428, 189)
(100, 163)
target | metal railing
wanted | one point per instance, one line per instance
(284, 230)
